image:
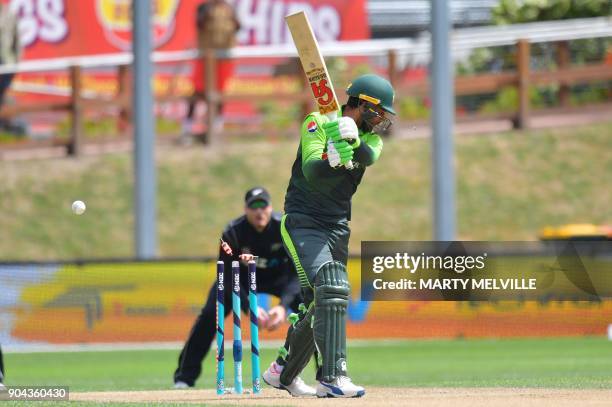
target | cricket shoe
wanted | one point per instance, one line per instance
(341, 386)
(297, 388)
(181, 385)
(2, 387)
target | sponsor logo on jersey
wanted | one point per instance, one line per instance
(312, 127)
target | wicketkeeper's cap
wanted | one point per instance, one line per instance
(257, 194)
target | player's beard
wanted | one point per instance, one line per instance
(378, 128)
(365, 127)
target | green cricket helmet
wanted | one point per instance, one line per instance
(373, 89)
(374, 93)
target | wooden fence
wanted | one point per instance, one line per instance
(523, 78)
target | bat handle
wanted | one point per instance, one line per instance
(333, 116)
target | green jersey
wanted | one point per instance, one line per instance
(315, 188)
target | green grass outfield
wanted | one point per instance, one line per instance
(577, 363)
(555, 363)
(509, 186)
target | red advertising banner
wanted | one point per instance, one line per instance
(64, 28)
(57, 28)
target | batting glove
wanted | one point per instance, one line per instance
(333, 158)
(339, 153)
(345, 129)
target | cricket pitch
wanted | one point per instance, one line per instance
(375, 396)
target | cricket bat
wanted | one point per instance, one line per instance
(314, 66)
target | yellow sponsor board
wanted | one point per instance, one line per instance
(158, 301)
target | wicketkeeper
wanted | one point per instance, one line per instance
(257, 232)
(315, 231)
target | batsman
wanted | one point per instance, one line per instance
(331, 160)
